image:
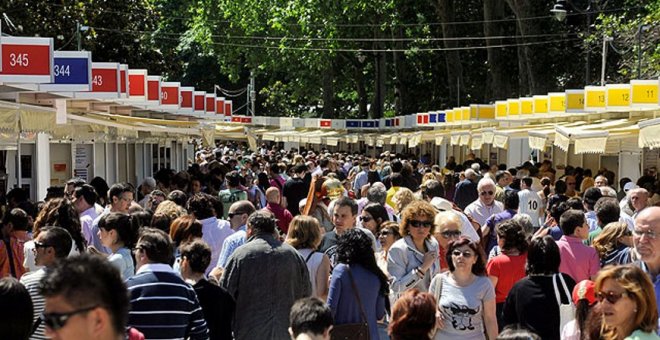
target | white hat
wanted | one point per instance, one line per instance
(629, 186)
(441, 204)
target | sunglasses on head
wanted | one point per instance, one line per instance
(56, 321)
(611, 297)
(420, 224)
(484, 193)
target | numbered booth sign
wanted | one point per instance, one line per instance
(105, 81)
(169, 95)
(526, 106)
(574, 101)
(72, 71)
(187, 99)
(137, 85)
(220, 106)
(199, 102)
(501, 108)
(153, 90)
(228, 108)
(595, 98)
(618, 96)
(557, 102)
(210, 103)
(540, 104)
(644, 93)
(26, 60)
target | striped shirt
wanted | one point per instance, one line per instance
(163, 306)
(32, 281)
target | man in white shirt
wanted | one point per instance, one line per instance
(530, 202)
(485, 206)
(214, 231)
(83, 200)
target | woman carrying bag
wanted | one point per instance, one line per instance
(358, 288)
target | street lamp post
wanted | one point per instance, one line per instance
(642, 28)
(606, 39)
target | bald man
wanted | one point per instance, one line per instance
(639, 199)
(646, 237)
(274, 207)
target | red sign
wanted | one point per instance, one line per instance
(210, 104)
(28, 60)
(396, 122)
(186, 99)
(199, 102)
(152, 90)
(325, 123)
(122, 80)
(169, 95)
(228, 108)
(136, 84)
(236, 119)
(220, 106)
(104, 80)
(419, 119)
(426, 119)
(246, 120)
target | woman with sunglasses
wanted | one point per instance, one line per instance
(465, 296)
(536, 292)
(372, 216)
(447, 229)
(413, 260)
(389, 233)
(627, 302)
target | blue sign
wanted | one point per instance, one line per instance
(71, 71)
(353, 124)
(370, 124)
(441, 117)
(433, 118)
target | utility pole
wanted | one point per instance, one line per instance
(641, 29)
(252, 94)
(606, 39)
(78, 35)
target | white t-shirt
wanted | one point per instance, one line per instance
(530, 204)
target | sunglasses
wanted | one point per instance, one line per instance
(365, 218)
(450, 233)
(56, 321)
(38, 244)
(420, 224)
(231, 215)
(385, 233)
(611, 297)
(484, 193)
(466, 254)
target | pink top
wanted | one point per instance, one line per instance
(579, 261)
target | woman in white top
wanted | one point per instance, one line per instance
(305, 234)
(119, 232)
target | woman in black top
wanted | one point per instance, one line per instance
(532, 302)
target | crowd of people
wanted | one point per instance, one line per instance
(299, 244)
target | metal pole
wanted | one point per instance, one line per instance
(78, 35)
(602, 69)
(253, 93)
(639, 51)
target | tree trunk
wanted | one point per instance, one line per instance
(446, 14)
(328, 90)
(499, 80)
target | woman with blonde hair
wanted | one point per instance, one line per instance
(402, 198)
(305, 234)
(627, 301)
(613, 244)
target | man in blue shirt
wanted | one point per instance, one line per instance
(646, 237)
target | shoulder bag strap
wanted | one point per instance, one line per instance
(554, 285)
(309, 256)
(439, 290)
(563, 283)
(357, 295)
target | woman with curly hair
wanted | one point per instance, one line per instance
(465, 296)
(506, 269)
(402, 198)
(58, 212)
(613, 244)
(413, 317)
(357, 269)
(413, 260)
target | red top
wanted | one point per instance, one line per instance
(442, 254)
(508, 270)
(282, 215)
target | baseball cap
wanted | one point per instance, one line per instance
(441, 204)
(629, 186)
(585, 289)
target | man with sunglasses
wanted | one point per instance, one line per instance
(485, 206)
(238, 215)
(647, 244)
(51, 245)
(85, 298)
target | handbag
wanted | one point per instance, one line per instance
(566, 311)
(352, 331)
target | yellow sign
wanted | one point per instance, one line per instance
(575, 100)
(466, 113)
(618, 95)
(449, 116)
(557, 102)
(487, 112)
(501, 108)
(596, 96)
(644, 92)
(540, 104)
(526, 106)
(514, 107)
(474, 111)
